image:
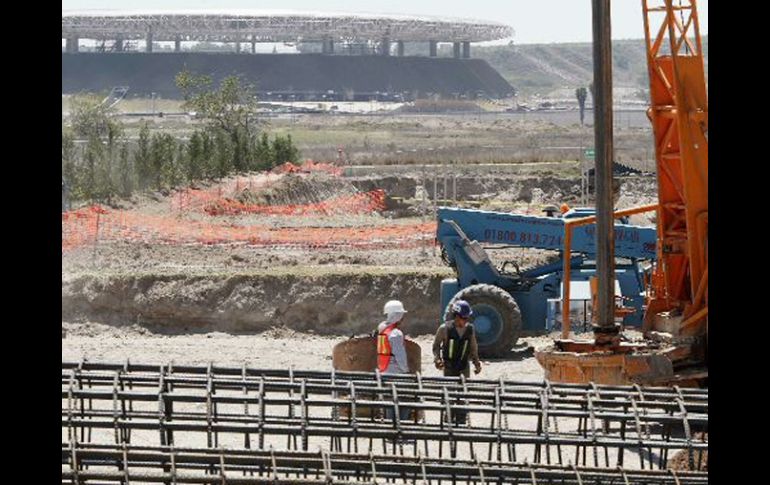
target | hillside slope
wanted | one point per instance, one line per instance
(543, 68)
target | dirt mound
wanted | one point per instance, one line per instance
(681, 461)
(525, 189)
(332, 303)
(299, 189)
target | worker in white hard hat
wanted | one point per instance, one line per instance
(391, 349)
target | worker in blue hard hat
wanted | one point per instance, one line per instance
(455, 344)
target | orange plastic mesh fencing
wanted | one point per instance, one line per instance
(188, 223)
(190, 199)
(93, 224)
(307, 167)
(362, 203)
(214, 202)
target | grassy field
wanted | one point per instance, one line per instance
(404, 139)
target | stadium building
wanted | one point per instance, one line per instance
(337, 56)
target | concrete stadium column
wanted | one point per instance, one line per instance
(238, 47)
(327, 46)
(119, 44)
(177, 44)
(456, 46)
(148, 41)
(385, 46)
(433, 46)
(466, 50)
(72, 44)
(400, 48)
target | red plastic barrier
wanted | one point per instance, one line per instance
(90, 226)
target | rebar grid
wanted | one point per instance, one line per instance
(141, 464)
(542, 423)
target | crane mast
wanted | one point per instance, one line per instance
(679, 116)
(675, 326)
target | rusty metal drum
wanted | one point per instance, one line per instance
(360, 354)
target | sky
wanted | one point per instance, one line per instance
(533, 21)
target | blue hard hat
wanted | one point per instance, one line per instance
(462, 309)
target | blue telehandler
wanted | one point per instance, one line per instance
(507, 301)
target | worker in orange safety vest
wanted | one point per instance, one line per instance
(391, 350)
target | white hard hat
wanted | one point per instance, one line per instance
(393, 306)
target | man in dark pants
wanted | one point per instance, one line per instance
(455, 344)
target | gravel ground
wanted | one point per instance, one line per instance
(275, 349)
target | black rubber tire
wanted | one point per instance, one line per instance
(503, 302)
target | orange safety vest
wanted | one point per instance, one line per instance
(383, 347)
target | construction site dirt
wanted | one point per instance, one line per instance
(285, 303)
(172, 264)
(209, 273)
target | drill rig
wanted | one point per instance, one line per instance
(675, 328)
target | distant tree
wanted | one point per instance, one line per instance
(68, 158)
(284, 150)
(162, 151)
(88, 117)
(581, 94)
(94, 122)
(93, 153)
(126, 172)
(263, 153)
(195, 162)
(142, 158)
(231, 108)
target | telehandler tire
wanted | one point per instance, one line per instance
(496, 318)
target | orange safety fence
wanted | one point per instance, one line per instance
(307, 167)
(93, 224)
(361, 203)
(214, 202)
(190, 199)
(217, 200)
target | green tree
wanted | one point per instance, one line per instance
(263, 153)
(88, 117)
(581, 93)
(93, 152)
(231, 109)
(142, 158)
(126, 172)
(209, 163)
(195, 163)
(223, 155)
(162, 151)
(284, 150)
(69, 159)
(93, 178)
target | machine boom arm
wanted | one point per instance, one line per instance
(540, 232)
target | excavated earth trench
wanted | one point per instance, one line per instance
(342, 303)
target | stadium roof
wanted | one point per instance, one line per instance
(274, 26)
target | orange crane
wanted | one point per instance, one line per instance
(676, 318)
(679, 116)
